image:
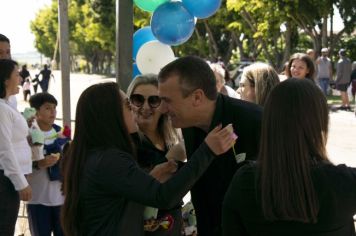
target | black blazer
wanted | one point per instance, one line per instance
(209, 190)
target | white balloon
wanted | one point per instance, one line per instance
(153, 56)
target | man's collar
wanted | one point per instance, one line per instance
(217, 117)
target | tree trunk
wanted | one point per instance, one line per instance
(288, 47)
(324, 32)
(250, 21)
(232, 45)
(213, 44)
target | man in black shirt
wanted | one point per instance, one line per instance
(24, 73)
(46, 74)
(188, 90)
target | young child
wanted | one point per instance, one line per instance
(35, 83)
(44, 207)
(26, 87)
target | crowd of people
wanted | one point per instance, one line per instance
(252, 161)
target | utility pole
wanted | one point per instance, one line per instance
(64, 59)
(124, 32)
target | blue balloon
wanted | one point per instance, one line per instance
(172, 24)
(141, 37)
(135, 70)
(202, 8)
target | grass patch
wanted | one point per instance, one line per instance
(333, 99)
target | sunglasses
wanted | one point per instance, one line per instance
(138, 100)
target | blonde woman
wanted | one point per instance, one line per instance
(257, 81)
(159, 142)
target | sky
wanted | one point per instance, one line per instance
(15, 20)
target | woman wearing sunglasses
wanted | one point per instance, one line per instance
(159, 140)
(104, 187)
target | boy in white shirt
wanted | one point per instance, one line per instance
(44, 207)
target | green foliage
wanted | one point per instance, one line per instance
(92, 30)
(45, 28)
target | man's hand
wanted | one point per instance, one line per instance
(221, 140)
(164, 171)
(25, 194)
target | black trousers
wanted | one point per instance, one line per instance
(9, 207)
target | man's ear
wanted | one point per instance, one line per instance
(198, 97)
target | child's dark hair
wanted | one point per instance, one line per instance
(37, 100)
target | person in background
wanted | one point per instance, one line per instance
(158, 143)
(5, 53)
(187, 87)
(311, 53)
(35, 83)
(46, 75)
(257, 81)
(293, 188)
(26, 87)
(220, 73)
(15, 151)
(105, 189)
(353, 80)
(44, 208)
(325, 72)
(24, 73)
(343, 77)
(5, 49)
(301, 66)
(283, 74)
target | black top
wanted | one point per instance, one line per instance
(46, 73)
(208, 193)
(148, 156)
(336, 190)
(113, 187)
(24, 74)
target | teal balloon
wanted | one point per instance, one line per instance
(172, 24)
(202, 8)
(149, 5)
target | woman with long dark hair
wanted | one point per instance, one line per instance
(104, 187)
(293, 189)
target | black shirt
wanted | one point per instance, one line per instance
(208, 193)
(336, 190)
(113, 188)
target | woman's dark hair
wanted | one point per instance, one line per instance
(99, 125)
(294, 133)
(7, 66)
(308, 61)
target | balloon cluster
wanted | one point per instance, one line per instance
(172, 23)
